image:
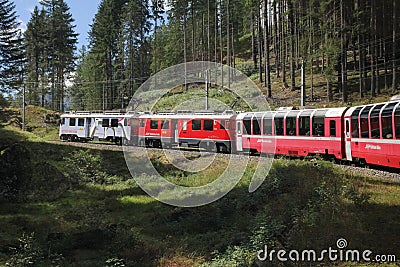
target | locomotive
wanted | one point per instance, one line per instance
(368, 134)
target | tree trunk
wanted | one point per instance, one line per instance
(377, 68)
(266, 51)
(185, 49)
(344, 55)
(372, 50)
(276, 41)
(193, 32)
(228, 50)
(253, 41)
(208, 32)
(283, 42)
(292, 48)
(259, 45)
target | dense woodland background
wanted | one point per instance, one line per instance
(351, 44)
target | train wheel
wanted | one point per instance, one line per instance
(212, 147)
(203, 145)
(222, 148)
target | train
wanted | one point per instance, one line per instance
(367, 134)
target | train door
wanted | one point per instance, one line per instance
(98, 130)
(348, 139)
(88, 126)
(175, 131)
(239, 143)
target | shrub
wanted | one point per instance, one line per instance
(115, 262)
(30, 253)
(84, 167)
(27, 253)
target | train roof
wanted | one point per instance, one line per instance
(189, 114)
(329, 112)
(352, 109)
(99, 114)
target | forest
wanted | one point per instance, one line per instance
(351, 44)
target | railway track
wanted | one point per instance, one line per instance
(383, 174)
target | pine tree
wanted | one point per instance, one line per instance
(36, 44)
(50, 48)
(62, 46)
(10, 47)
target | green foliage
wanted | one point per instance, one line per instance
(30, 253)
(3, 102)
(27, 253)
(360, 199)
(84, 167)
(119, 59)
(50, 42)
(115, 262)
(247, 68)
(11, 57)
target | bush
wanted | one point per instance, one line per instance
(27, 253)
(3, 102)
(84, 167)
(30, 253)
(247, 68)
(15, 171)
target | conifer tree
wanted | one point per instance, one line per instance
(10, 47)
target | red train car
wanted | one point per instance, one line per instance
(292, 132)
(373, 134)
(208, 130)
(156, 130)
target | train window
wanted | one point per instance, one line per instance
(397, 122)
(63, 121)
(126, 122)
(72, 122)
(256, 127)
(227, 124)
(278, 126)
(386, 121)
(291, 127)
(247, 125)
(364, 125)
(304, 126)
(165, 125)
(267, 127)
(354, 123)
(114, 123)
(374, 122)
(319, 123)
(142, 123)
(153, 124)
(81, 122)
(105, 123)
(332, 126)
(221, 125)
(238, 127)
(196, 125)
(208, 125)
(304, 123)
(318, 126)
(184, 127)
